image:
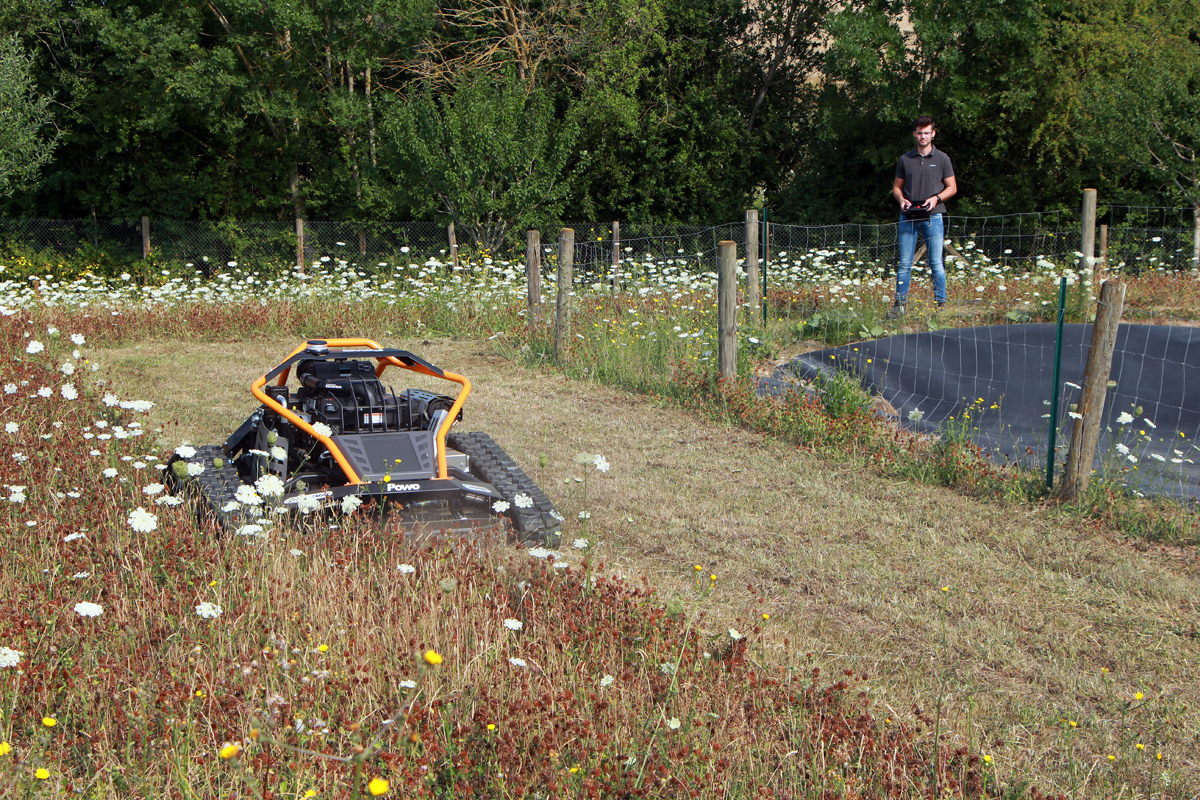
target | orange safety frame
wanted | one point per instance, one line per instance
(353, 477)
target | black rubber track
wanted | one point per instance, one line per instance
(537, 523)
(212, 490)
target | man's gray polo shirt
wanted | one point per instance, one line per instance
(923, 175)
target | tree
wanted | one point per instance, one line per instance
(224, 108)
(687, 121)
(977, 67)
(492, 154)
(684, 107)
(1131, 78)
(787, 38)
(25, 144)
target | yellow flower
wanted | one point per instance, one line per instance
(1138, 696)
(987, 759)
(1112, 758)
(1074, 724)
(230, 750)
(432, 657)
(492, 727)
(311, 793)
(1140, 746)
(49, 722)
(712, 577)
(5, 748)
(766, 616)
(42, 773)
(574, 770)
(377, 786)
(322, 648)
(945, 588)
(698, 568)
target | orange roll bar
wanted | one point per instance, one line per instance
(385, 361)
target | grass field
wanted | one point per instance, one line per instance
(736, 616)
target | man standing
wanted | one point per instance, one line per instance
(924, 181)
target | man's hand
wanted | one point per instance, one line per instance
(930, 203)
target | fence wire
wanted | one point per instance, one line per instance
(1137, 238)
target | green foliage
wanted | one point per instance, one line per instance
(1131, 80)
(969, 65)
(687, 122)
(841, 393)
(239, 109)
(24, 117)
(837, 327)
(492, 155)
(680, 111)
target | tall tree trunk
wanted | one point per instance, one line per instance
(370, 120)
(777, 58)
(349, 134)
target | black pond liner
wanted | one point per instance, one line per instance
(942, 373)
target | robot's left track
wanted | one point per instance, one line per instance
(213, 489)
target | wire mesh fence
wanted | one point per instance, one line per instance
(1135, 238)
(68, 238)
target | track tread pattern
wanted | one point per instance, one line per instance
(538, 523)
(213, 489)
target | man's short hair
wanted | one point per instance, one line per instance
(922, 121)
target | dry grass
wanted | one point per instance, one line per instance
(1042, 622)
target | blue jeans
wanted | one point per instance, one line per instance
(933, 231)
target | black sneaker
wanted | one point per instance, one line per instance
(896, 311)
(941, 303)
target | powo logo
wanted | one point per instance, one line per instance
(403, 487)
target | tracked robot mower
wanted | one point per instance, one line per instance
(329, 428)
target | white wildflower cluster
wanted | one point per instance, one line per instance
(142, 520)
(209, 610)
(9, 657)
(247, 496)
(88, 609)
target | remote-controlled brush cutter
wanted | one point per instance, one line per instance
(335, 437)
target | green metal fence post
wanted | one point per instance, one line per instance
(1062, 301)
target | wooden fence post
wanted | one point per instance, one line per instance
(300, 243)
(616, 252)
(1102, 259)
(1085, 431)
(562, 311)
(753, 282)
(1087, 235)
(1196, 236)
(533, 273)
(453, 246)
(145, 236)
(727, 290)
